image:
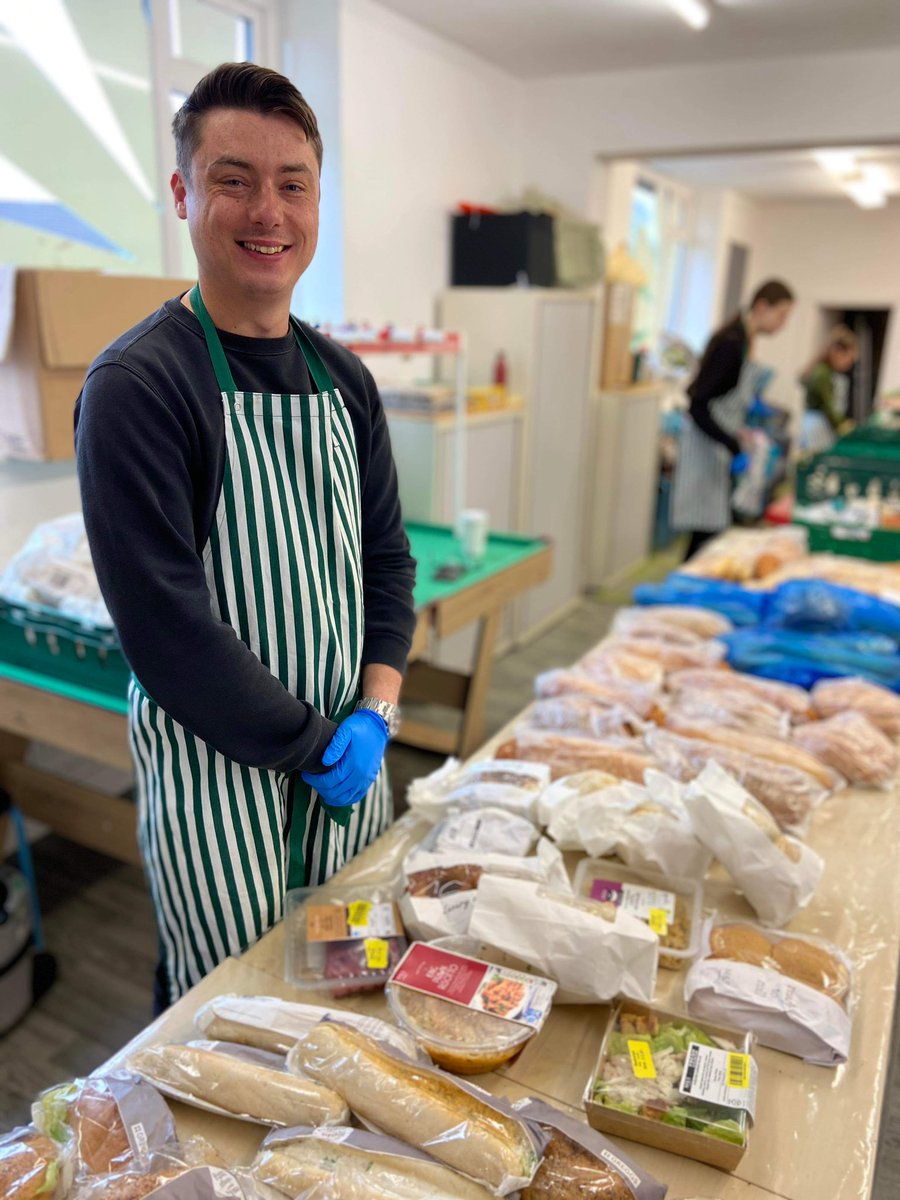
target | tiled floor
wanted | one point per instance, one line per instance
(99, 924)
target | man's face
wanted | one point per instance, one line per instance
(251, 203)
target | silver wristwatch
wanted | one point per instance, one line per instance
(389, 713)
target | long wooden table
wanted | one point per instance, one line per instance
(39, 707)
(816, 1131)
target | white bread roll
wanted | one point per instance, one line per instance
(419, 1106)
(345, 1172)
(239, 1086)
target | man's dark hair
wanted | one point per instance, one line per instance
(772, 292)
(240, 85)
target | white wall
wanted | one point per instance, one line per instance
(833, 254)
(31, 493)
(569, 122)
(424, 125)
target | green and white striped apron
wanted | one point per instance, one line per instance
(221, 841)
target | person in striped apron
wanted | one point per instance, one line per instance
(241, 504)
(709, 448)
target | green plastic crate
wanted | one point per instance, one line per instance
(41, 640)
(878, 545)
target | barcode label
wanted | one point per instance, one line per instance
(739, 1071)
(719, 1076)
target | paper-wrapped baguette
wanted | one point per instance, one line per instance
(239, 1084)
(319, 1166)
(424, 1107)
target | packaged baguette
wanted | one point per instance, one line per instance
(792, 991)
(270, 1023)
(703, 622)
(777, 873)
(831, 697)
(238, 1081)
(668, 654)
(613, 661)
(626, 758)
(582, 716)
(512, 786)
(570, 681)
(787, 696)
(853, 746)
(113, 1120)
(341, 1163)
(594, 951)
(461, 1126)
(168, 1179)
(579, 1163)
(730, 707)
(788, 794)
(32, 1165)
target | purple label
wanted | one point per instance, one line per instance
(608, 890)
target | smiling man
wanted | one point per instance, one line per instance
(241, 504)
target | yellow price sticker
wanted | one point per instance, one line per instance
(738, 1071)
(376, 953)
(641, 1060)
(658, 921)
(358, 913)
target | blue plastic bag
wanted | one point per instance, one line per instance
(730, 599)
(804, 658)
(816, 606)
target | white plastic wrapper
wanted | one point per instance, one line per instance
(54, 569)
(703, 622)
(238, 1081)
(487, 783)
(355, 1164)
(430, 916)
(115, 1120)
(457, 1123)
(594, 951)
(646, 826)
(483, 831)
(269, 1023)
(583, 716)
(640, 698)
(777, 873)
(793, 992)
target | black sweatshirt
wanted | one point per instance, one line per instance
(717, 375)
(150, 442)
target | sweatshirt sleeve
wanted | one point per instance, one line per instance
(819, 386)
(136, 455)
(719, 373)
(389, 570)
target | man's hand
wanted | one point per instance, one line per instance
(353, 756)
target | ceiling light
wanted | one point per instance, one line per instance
(695, 12)
(836, 162)
(866, 188)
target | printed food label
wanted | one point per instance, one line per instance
(471, 983)
(359, 919)
(719, 1077)
(377, 950)
(639, 901)
(641, 1060)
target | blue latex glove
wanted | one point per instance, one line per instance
(354, 757)
(740, 463)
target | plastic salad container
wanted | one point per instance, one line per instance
(459, 1038)
(672, 907)
(344, 943)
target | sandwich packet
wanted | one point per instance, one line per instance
(34, 1164)
(594, 951)
(792, 991)
(580, 1162)
(510, 785)
(168, 1179)
(306, 1163)
(269, 1023)
(462, 1126)
(640, 698)
(112, 1120)
(777, 873)
(582, 716)
(237, 1081)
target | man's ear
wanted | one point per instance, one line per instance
(179, 192)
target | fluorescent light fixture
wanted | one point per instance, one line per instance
(836, 162)
(866, 187)
(695, 12)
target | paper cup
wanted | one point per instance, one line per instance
(473, 532)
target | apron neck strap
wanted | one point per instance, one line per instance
(224, 378)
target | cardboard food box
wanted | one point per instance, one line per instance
(52, 327)
(689, 1143)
